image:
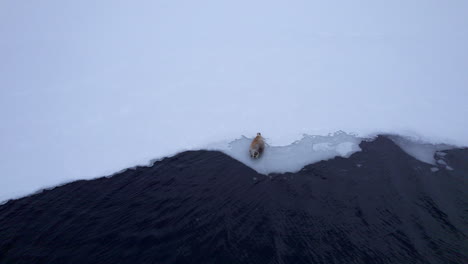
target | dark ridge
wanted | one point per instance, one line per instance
(378, 206)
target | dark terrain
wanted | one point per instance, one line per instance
(378, 206)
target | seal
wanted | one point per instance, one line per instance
(257, 146)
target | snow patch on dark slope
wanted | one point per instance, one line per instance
(379, 205)
(293, 157)
(314, 148)
(421, 150)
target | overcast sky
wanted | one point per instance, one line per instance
(89, 87)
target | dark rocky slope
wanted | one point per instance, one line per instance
(378, 206)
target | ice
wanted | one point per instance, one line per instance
(78, 103)
(442, 162)
(293, 157)
(419, 149)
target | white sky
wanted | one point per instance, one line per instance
(89, 87)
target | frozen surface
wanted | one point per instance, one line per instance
(423, 151)
(90, 87)
(291, 158)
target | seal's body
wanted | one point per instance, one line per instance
(257, 146)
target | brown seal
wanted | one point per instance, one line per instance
(257, 146)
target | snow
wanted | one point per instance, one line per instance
(313, 148)
(419, 149)
(88, 88)
(442, 162)
(293, 157)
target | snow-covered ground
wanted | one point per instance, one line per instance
(313, 148)
(293, 157)
(91, 87)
